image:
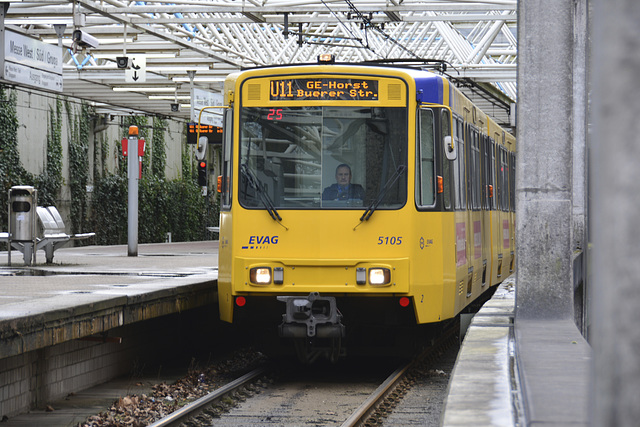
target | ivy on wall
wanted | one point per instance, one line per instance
(100, 153)
(11, 170)
(158, 148)
(175, 206)
(50, 181)
(79, 127)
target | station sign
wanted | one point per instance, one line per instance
(137, 72)
(31, 62)
(213, 133)
(202, 98)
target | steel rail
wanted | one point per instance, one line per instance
(176, 417)
(368, 406)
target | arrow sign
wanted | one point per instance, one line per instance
(138, 71)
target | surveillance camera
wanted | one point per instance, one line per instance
(83, 39)
(175, 107)
(123, 61)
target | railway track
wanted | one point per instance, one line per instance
(331, 395)
(205, 403)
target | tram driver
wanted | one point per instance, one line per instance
(343, 189)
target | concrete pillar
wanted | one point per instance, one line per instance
(544, 240)
(615, 209)
(580, 156)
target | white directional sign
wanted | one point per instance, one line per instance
(31, 62)
(138, 71)
(202, 98)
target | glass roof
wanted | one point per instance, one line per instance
(185, 43)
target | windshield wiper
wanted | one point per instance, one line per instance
(254, 182)
(374, 205)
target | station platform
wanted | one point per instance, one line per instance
(508, 373)
(91, 289)
(519, 372)
(57, 321)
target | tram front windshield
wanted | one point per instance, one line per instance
(323, 157)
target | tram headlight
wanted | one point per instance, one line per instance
(379, 276)
(260, 275)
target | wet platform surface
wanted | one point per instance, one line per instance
(89, 290)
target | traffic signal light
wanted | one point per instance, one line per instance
(202, 173)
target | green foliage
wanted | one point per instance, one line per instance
(175, 206)
(158, 148)
(100, 152)
(11, 170)
(79, 133)
(163, 206)
(50, 181)
(189, 171)
(187, 211)
(110, 210)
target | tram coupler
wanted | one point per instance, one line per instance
(311, 316)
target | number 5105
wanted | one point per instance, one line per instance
(390, 240)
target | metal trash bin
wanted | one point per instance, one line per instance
(22, 213)
(23, 201)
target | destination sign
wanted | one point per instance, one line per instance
(323, 89)
(214, 133)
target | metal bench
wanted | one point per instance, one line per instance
(51, 236)
(53, 232)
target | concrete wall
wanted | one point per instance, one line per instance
(33, 108)
(615, 206)
(36, 378)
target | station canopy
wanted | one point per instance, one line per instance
(190, 43)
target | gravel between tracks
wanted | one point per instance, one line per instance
(424, 401)
(140, 410)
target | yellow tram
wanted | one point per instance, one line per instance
(358, 197)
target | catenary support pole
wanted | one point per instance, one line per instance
(133, 172)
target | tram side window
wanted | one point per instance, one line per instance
(425, 194)
(472, 171)
(507, 184)
(492, 174)
(467, 138)
(445, 130)
(226, 161)
(512, 178)
(474, 175)
(504, 180)
(484, 142)
(498, 192)
(458, 166)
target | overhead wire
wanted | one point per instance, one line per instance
(348, 30)
(368, 24)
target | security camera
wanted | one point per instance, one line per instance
(175, 107)
(123, 61)
(83, 39)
